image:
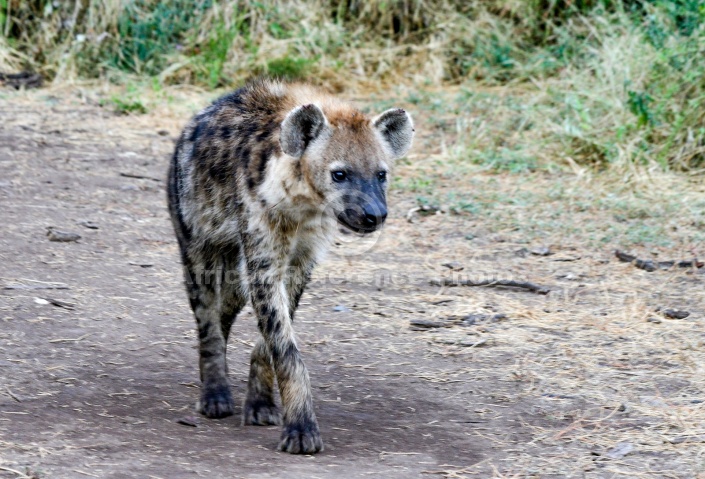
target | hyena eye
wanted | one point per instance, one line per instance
(339, 176)
(382, 176)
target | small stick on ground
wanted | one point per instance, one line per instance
(139, 177)
(12, 395)
(60, 304)
(31, 287)
(502, 283)
(649, 265)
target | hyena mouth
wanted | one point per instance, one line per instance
(357, 229)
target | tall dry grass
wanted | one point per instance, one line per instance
(604, 82)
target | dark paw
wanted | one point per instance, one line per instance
(261, 412)
(216, 402)
(301, 438)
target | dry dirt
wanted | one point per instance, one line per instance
(97, 345)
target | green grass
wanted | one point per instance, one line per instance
(127, 106)
(129, 101)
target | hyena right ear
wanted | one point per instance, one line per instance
(397, 130)
(301, 126)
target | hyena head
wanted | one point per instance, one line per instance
(346, 158)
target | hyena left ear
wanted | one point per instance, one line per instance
(396, 129)
(301, 126)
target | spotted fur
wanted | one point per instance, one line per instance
(254, 200)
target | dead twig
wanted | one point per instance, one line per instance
(69, 340)
(60, 304)
(502, 283)
(139, 177)
(12, 395)
(650, 265)
(425, 324)
(32, 287)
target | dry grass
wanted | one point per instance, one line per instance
(607, 85)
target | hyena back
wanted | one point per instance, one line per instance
(257, 185)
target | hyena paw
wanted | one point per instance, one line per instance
(301, 438)
(216, 402)
(261, 412)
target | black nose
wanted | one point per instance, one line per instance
(375, 218)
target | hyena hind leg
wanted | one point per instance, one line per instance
(260, 408)
(215, 307)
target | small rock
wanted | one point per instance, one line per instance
(675, 314)
(653, 320)
(41, 301)
(620, 450)
(522, 253)
(62, 236)
(88, 224)
(341, 309)
(540, 251)
(188, 421)
(162, 132)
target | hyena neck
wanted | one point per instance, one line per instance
(291, 199)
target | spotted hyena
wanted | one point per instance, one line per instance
(258, 183)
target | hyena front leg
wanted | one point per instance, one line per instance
(260, 408)
(301, 434)
(215, 307)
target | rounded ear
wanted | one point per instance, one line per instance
(301, 126)
(396, 129)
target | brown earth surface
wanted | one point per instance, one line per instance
(97, 344)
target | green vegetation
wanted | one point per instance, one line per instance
(126, 106)
(600, 83)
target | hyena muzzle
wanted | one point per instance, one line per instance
(257, 186)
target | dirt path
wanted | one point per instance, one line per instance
(96, 372)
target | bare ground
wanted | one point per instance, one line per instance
(97, 347)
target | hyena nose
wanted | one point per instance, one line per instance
(375, 218)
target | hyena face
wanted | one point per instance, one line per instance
(346, 159)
